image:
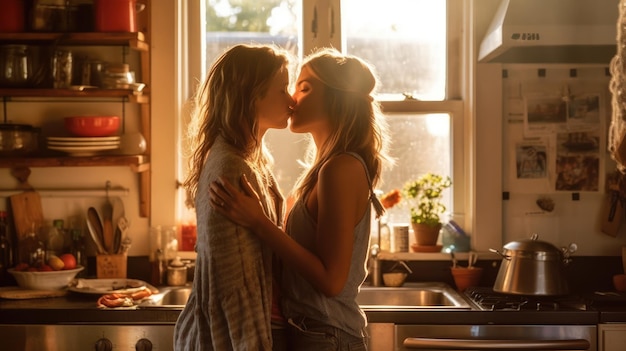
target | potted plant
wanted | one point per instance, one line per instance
(424, 196)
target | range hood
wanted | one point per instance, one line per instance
(552, 31)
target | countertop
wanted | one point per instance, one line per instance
(81, 309)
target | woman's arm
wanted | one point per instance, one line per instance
(338, 201)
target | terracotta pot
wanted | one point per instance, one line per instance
(426, 235)
(466, 277)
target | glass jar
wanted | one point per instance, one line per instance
(16, 66)
(61, 69)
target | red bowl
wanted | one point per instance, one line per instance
(92, 126)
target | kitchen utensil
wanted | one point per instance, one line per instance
(61, 69)
(176, 273)
(95, 229)
(27, 211)
(108, 232)
(18, 139)
(92, 126)
(466, 277)
(533, 267)
(123, 224)
(16, 63)
(116, 15)
(394, 279)
(118, 213)
(472, 258)
(45, 280)
(132, 144)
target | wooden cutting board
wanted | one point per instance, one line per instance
(16, 293)
(26, 209)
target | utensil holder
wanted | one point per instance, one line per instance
(111, 266)
(466, 277)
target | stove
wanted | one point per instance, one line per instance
(488, 300)
(508, 322)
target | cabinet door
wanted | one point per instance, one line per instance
(612, 337)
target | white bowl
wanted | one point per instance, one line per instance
(48, 280)
(394, 279)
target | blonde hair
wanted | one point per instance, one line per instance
(224, 105)
(357, 124)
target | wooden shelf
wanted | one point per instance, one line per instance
(132, 40)
(137, 163)
(135, 41)
(140, 98)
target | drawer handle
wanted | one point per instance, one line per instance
(495, 344)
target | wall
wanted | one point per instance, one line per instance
(577, 221)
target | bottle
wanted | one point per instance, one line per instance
(55, 241)
(6, 249)
(384, 233)
(78, 250)
(32, 251)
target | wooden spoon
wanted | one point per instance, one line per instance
(95, 229)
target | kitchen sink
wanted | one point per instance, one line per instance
(420, 296)
(168, 297)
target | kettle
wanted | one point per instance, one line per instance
(533, 267)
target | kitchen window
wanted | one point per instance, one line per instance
(415, 46)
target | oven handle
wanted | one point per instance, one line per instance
(488, 344)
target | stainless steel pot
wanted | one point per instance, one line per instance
(533, 267)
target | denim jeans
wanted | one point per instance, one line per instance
(279, 339)
(306, 334)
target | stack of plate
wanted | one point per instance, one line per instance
(83, 146)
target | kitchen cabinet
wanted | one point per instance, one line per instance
(611, 337)
(135, 41)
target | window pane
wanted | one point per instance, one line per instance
(420, 144)
(404, 39)
(251, 22)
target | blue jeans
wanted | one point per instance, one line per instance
(306, 334)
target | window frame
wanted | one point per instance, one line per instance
(457, 103)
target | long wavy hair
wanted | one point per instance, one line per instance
(357, 124)
(225, 105)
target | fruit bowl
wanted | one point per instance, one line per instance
(92, 126)
(45, 280)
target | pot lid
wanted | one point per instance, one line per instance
(532, 247)
(16, 127)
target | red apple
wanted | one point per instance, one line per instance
(69, 260)
(21, 267)
(45, 268)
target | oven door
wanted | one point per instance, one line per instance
(495, 337)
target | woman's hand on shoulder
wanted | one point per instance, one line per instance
(243, 208)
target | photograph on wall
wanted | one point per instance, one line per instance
(584, 109)
(545, 114)
(578, 161)
(531, 161)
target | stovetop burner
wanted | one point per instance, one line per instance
(489, 300)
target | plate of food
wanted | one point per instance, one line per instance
(109, 286)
